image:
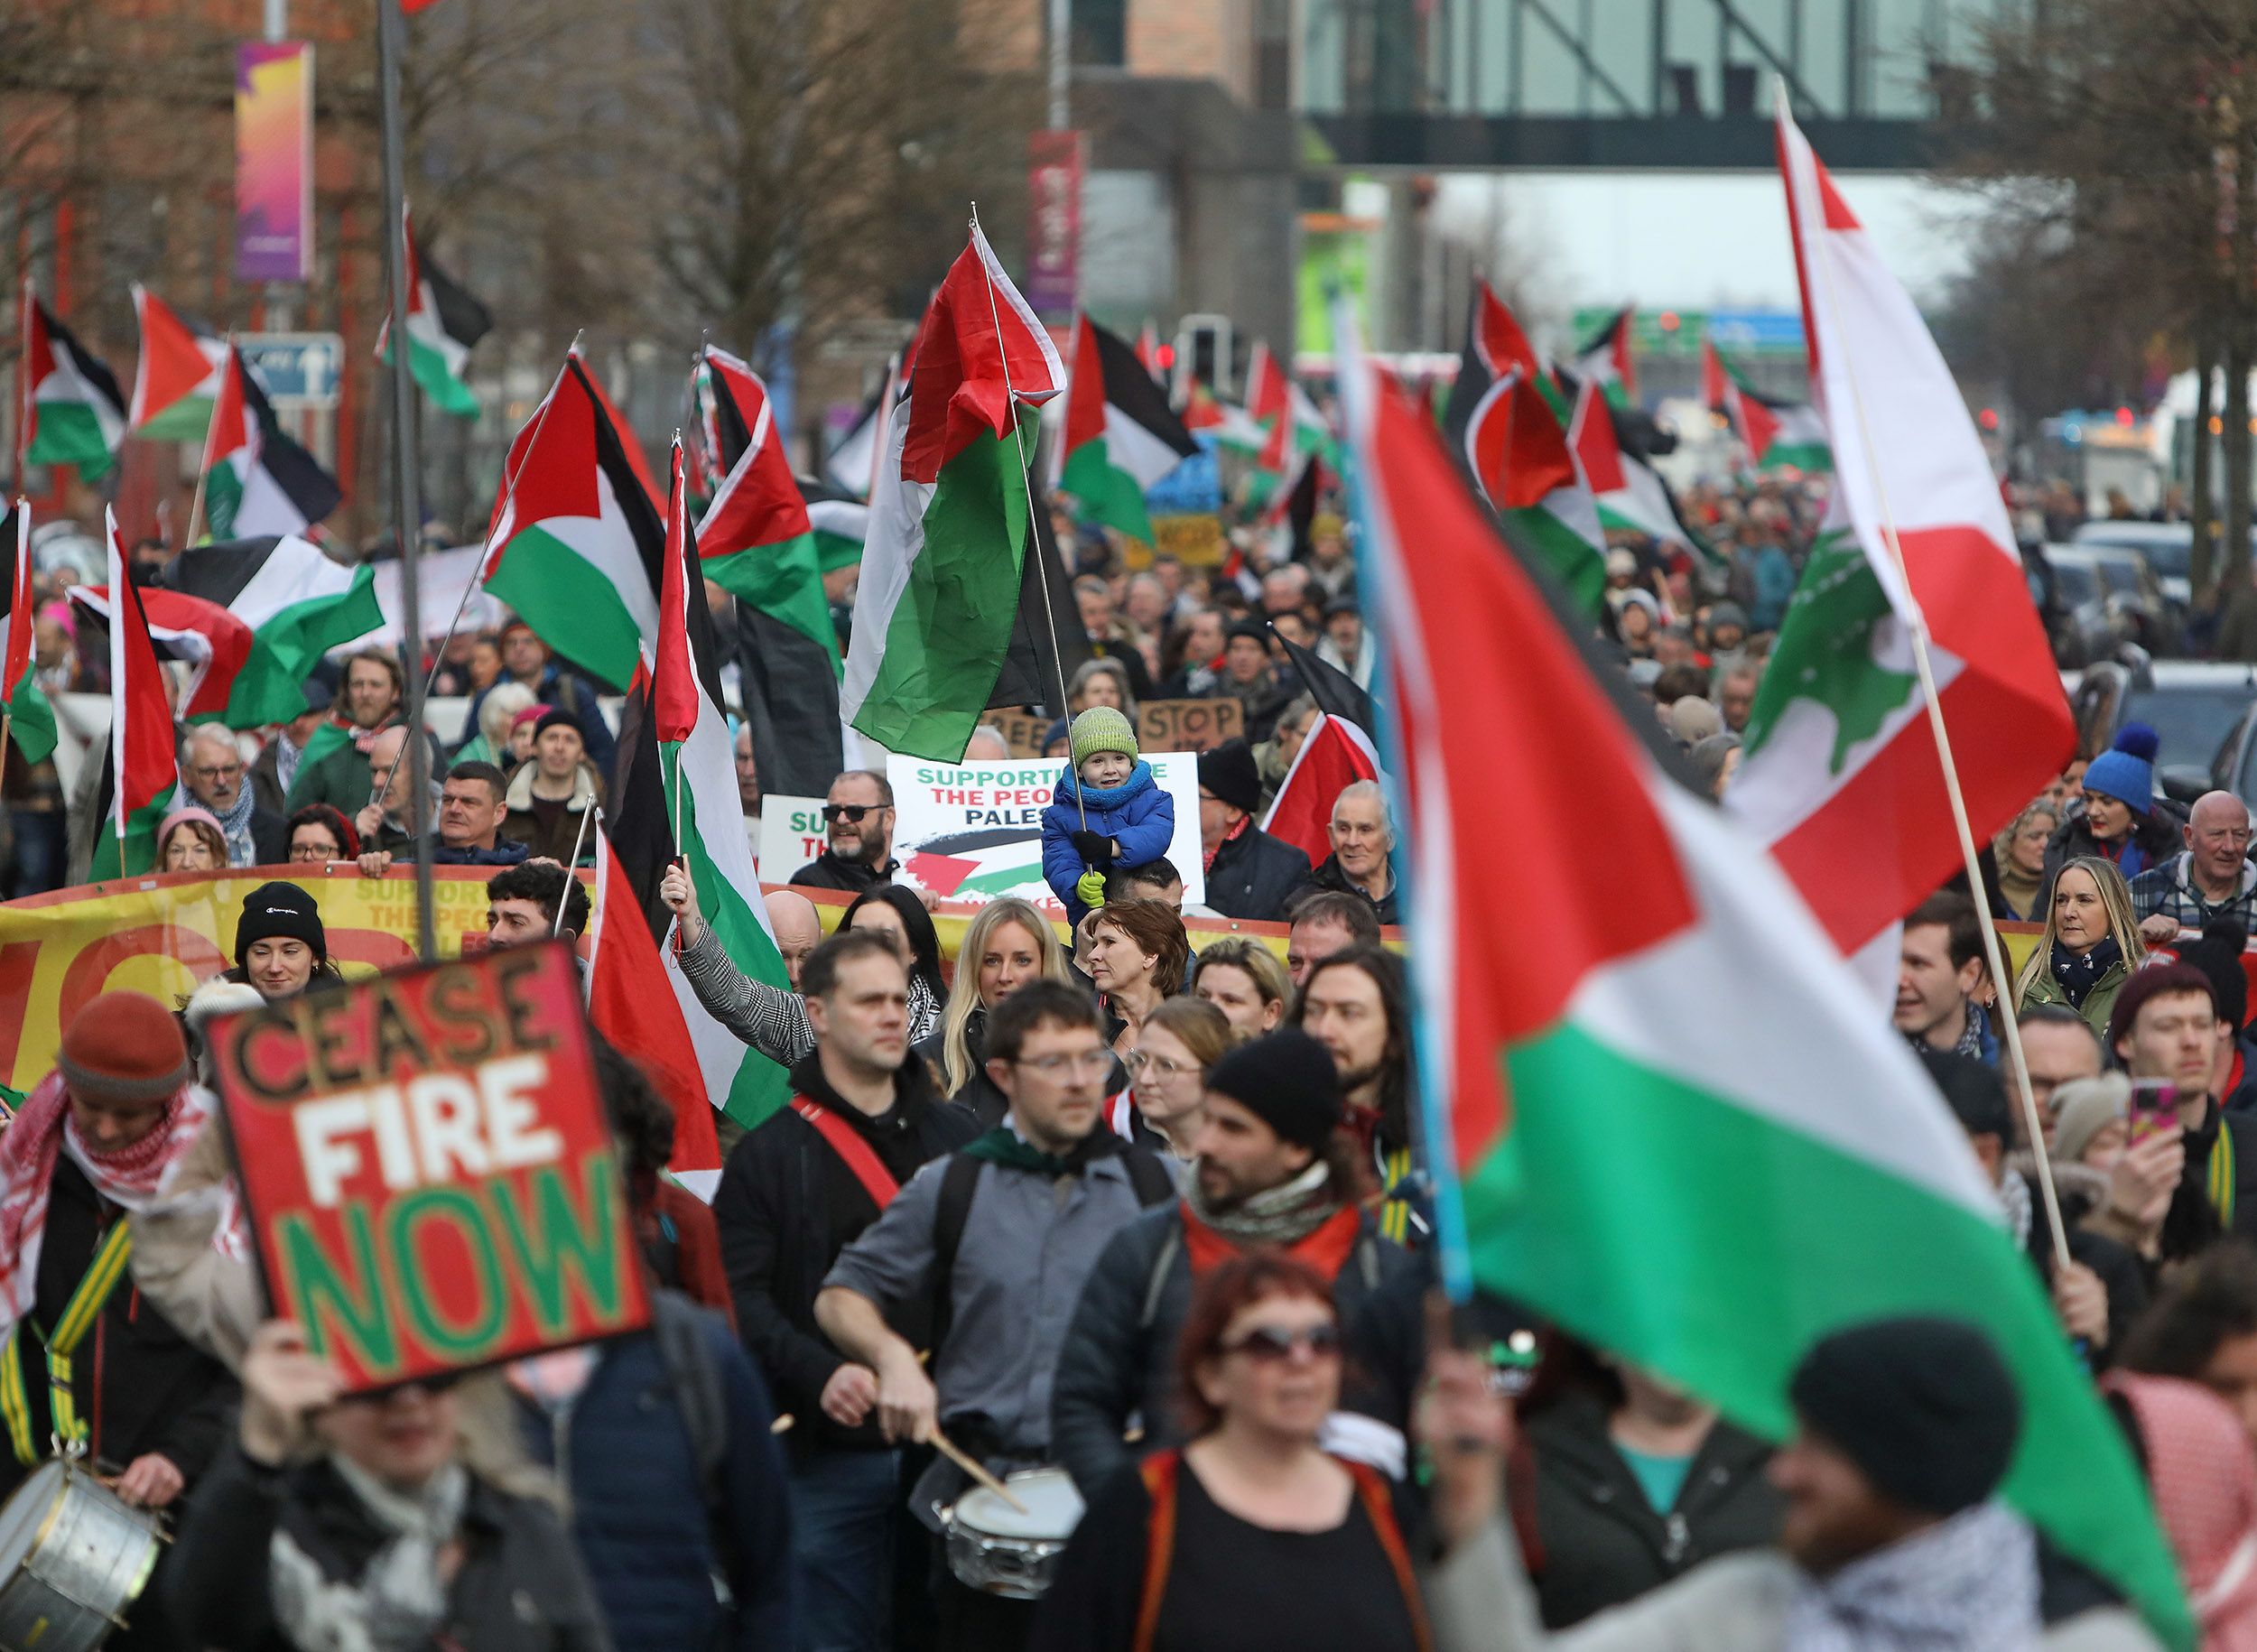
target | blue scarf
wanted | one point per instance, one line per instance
(1070, 786)
(2078, 976)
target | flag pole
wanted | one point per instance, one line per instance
(1993, 956)
(557, 929)
(1033, 532)
(391, 29)
(203, 468)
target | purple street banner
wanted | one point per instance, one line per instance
(273, 161)
(1054, 222)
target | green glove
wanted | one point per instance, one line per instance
(1091, 887)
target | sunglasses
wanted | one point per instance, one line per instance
(851, 813)
(1268, 1345)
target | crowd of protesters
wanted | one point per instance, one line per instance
(1146, 1228)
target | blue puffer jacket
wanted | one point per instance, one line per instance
(640, 1514)
(1137, 815)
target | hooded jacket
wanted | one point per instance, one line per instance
(1253, 873)
(1137, 815)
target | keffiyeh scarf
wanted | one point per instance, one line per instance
(1967, 1585)
(398, 1600)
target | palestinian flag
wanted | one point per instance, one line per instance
(1269, 399)
(68, 408)
(1121, 437)
(1334, 689)
(257, 480)
(574, 546)
(757, 539)
(1771, 1163)
(1629, 493)
(1501, 423)
(31, 718)
(176, 377)
(1776, 435)
(1840, 775)
(852, 465)
(840, 524)
(234, 677)
(297, 600)
(677, 764)
(140, 769)
(1291, 428)
(444, 321)
(631, 1002)
(940, 575)
(1334, 757)
(1604, 360)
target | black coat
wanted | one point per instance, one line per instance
(788, 1205)
(1602, 1543)
(2157, 832)
(1329, 876)
(519, 1587)
(978, 1092)
(827, 871)
(1119, 1355)
(137, 1383)
(270, 837)
(1253, 874)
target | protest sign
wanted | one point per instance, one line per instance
(972, 832)
(791, 835)
(1197, 540)
(1189, 725)
(1022, 731)
(430, 1178)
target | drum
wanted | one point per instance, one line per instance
(994, 1549)
(73, 1556)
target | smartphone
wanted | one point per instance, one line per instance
(2154, 1106)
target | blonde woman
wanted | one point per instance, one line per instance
(1005, 945)
(2090, 947)
(2022, 860)
(1244, 979)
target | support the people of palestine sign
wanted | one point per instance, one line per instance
(430, 1180)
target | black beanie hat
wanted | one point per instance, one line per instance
(1254, 629)
(1973, 1092)
(2218, 955)
(278, 911)
(1287, 1080)
(556, 717)
(1923, 1406)
(1228, 772)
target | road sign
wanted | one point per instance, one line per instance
(303, 369)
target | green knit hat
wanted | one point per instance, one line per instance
(1102, 729)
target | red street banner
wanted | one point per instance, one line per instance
(429, 1178)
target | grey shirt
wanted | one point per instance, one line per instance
(1029, 1242)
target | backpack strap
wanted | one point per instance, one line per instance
(1153, 1184)
(958, 1183)
(1378, 1508)
(857, 1153)
(1158, 1471)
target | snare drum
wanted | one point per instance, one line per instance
(73, 1556)
(994, 1549)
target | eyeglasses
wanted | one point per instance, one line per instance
(1054, 1066)
(210, 772)
(1161, 1066)
(1270, 1345)
(851, 813)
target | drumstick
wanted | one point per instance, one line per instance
(781, 1424)
(947, 1448)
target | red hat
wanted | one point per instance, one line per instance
(124, 1048)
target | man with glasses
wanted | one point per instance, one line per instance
(859, 827)
(212, 772)
(1272, 1170)
(994, 1242)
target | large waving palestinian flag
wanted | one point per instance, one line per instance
(176, 377)
(1121, 436)
(1774, 435)
(939, 597)
(31, 718)
(1766, 1162)
(68, 410)
(139, 768)
(1511, 444)
(444, 321)
(299, 601)
(1840, 775)
(1629, 492)
(257, 479)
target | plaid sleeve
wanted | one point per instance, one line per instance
(771, 1020)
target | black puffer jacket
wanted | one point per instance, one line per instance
(788, 1205)
(1253, 874)
(519, 1586)
(1603, 1541)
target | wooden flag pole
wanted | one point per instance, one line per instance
(196, 502)
(1033, 532)
(1994, 955)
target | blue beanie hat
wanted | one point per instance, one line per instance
(2126, 771)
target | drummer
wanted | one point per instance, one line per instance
(87, 1362)
(1031, 1204)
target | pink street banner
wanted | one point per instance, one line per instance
(273, 161)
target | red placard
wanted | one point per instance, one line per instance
(429, 1178)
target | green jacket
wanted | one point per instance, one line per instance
(2100, 1003)
(341, 778)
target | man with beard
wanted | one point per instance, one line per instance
(859, 827)
(1273, 1169)
(1357, 1006)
